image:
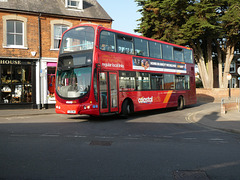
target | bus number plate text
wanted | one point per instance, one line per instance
(71, 112)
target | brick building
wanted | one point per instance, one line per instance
(30, 33)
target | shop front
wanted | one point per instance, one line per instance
(47, 75)
(17, 83)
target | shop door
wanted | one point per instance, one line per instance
(108, 92)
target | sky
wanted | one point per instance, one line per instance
(123, 12)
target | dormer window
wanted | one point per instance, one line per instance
(74, 4)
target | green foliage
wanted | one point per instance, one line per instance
(231, 20)
(207, 26)
(186, 21)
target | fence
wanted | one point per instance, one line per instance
(228, 104)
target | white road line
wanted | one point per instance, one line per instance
(49, 135)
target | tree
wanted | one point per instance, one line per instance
(207, 26)
(230, 23)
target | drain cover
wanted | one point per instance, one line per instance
(101, 143)
(190, 175)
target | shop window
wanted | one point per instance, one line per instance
(51, 82)
(16, 84)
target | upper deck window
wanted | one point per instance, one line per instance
(178, 54)
(141, 47)
(188, 56)
(125, 44)
(167, 52)
(78, 39)
(155, 50)
(107, 41)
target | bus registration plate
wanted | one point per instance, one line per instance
(71, 112)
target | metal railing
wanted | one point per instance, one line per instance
(231, 100)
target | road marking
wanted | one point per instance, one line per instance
(50, 135)
(167, 136)
(216, 139)
(190, 174)
(190, 138)
(18, 135)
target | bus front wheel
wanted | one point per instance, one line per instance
(180, 103)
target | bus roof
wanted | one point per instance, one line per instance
(97, 26)
(142, 37)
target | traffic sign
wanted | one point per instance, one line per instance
(238, 70)
(239, 78)
(229, 77)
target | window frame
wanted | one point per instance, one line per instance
(14, 33)
(166, 53)
(151, 54)
(79, 6)
(114, 41)
(57, 22)
(178, 51)
(143, 41)
(232, 68)
(172, 84)
(125, 38)
(15, 18)
(186, 57)
(186, 54)
(59, 37)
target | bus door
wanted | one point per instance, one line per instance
(108, 82)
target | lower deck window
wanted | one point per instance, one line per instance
(139, 81)
(127, 81)
(169, 81)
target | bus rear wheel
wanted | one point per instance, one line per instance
(126, 109)
(180, 103)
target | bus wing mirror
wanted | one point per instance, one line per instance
(98, 65)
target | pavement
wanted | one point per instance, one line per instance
(25, 112)
(210, 115)
(207, 114)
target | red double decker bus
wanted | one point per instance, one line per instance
(102, 71)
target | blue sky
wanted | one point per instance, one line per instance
(123, 12)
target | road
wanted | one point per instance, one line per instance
(160, 144)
